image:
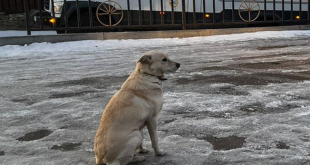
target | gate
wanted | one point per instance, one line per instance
(111, 15)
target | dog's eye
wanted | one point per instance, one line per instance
(164, 59)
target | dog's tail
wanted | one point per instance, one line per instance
(99, 160)
(99, 154)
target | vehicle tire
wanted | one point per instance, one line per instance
(32, 14)
(61, 31)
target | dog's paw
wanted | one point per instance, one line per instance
(143, 150)
(160, 153)
(137, 159)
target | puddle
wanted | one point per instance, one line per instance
(260, 108)
(232, 79)
(167, 162)
(263, 78)
(271, 55)
(25, 101)
(96, 82)
(70, 94)
(260, 65)
(225, 143)
(215, 68)
(283, 77)
(256, 107)
(39, 134)
(2, 153)
(290, 64)
(229, 91)
(66, 146)
(274, 47)
(83, 81)
(282, 145)
(169, 121)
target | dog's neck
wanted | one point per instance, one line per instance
(159, 78)
(141, 81)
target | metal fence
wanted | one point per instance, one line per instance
(111, 15)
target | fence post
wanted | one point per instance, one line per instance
(183, 15)
(26, 7)
(308, 12)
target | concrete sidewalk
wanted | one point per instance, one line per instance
(22, 40)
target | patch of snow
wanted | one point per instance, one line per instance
(64, 87)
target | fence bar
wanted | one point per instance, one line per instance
(151, 13)
(129, 13)
(183, 15)
(204, 10)
(53, 13)
(90, 13)
(78, 13)
(223, 11)
(140, 13)
(300, 13)
(40, 14)
(233, 11)
(308, 15)
(162, 12)
(66, 13)
(282, 10)
(265, 6)
(274, 10)
(213, 11)
(15, 6)
(26, 7)
(172, 12)
(194, 12)
(292, 8)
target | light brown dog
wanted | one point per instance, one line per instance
(136, 105)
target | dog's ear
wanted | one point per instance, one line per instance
(146, 59)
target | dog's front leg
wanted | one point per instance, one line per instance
(152, 128)
(141, 148)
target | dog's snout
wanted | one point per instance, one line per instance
(178, 65)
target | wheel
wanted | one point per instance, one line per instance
(109, 13)
(249, 10)
(33, 13)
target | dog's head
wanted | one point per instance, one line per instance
(156, 63)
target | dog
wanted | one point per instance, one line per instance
(136, 105)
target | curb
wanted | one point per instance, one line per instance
(22, 40)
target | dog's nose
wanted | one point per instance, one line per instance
(178, 65)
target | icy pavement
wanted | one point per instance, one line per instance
(237, 99)
(14, 33)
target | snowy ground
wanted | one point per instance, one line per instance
(14, 33)
(237, 99)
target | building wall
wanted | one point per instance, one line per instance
(12, 15)
(17, 6)
(12, 21)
